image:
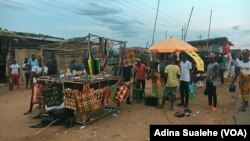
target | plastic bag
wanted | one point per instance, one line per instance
(191, 90)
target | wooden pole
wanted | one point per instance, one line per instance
(182, 31)
(42, 60)
(188, 24)
(46, 126)
(209, 29)
(155, 22)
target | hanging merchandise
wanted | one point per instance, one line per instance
(112, 61)
(52, 95)
(129, 85)
(101, 47)
(86, 100)
(106, 95)
(109, 47)
(121, 53)
(113, 89)
(103, 62)
(121, 92)
(96, 66)
(90, 64)
(69, 98)
(129, 57)
(98, 95)
(105, 47)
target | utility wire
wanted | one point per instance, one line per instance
(172, 18)
(150, 15)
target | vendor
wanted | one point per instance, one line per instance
(36, 72)
(140, 74)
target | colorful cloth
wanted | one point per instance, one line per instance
(244, 85)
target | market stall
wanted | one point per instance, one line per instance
(89, 78)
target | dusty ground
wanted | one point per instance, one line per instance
(132, 123)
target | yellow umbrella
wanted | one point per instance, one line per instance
(199, 62)
(171, 45)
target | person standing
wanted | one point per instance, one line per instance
(32, 62)
(157, 80)
(15, 73)
(222, 66)
(140, 74)
(26, 69)
(212, 74)
(172, 75)
(185, 79)
(234, 64)
(36, 71)
(243, 72)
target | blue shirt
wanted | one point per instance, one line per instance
(33, 63)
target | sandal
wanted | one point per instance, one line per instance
(26, 113)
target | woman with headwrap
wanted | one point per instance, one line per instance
(243, 71)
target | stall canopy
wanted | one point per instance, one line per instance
(171, 45)
(174, 45)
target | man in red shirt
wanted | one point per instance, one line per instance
(140, 74)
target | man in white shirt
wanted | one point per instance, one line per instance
(15, 73)
(185, 79)
(38, 71)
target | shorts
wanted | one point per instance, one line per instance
(169, 91)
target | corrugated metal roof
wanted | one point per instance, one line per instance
(29, 36)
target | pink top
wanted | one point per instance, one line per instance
(140, 71)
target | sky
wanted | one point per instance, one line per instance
(130, 20)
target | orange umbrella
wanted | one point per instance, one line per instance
(171, 45)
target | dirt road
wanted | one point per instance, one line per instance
(132, 123)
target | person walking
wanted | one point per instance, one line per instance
(243, 72)
(222, 66)
(211, 76)
(172, 74)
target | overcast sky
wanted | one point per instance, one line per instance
(129, 20)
